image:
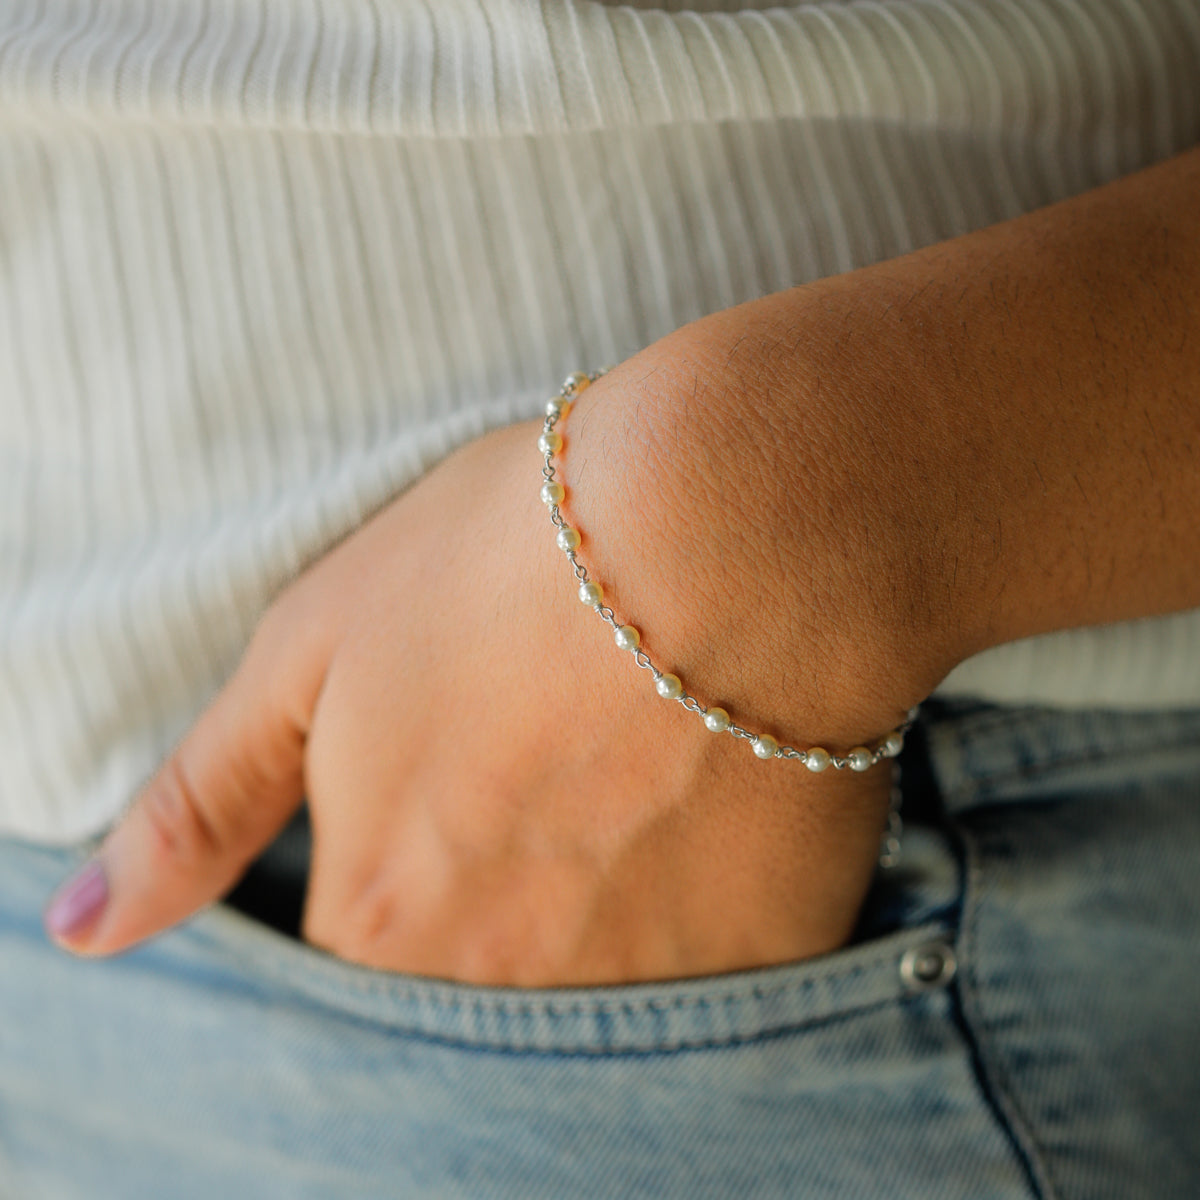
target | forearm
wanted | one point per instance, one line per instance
(1033, 392)
(1058, 358)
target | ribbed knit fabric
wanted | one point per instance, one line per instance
(262, 262)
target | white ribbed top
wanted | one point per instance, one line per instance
(263, 262)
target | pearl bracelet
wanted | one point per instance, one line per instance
(815, 758)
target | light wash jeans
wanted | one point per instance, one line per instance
(1018, 1016)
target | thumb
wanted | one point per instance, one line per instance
(218, 800)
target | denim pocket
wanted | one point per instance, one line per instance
(663, 1016)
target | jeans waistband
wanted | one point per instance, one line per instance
(986, 754)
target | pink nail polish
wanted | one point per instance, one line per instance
(78, 903)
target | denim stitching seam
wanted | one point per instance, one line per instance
(994, 1078)
(533, 1008)
(482, 1008)
(660, 1049)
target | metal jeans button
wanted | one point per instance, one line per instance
(928, 966)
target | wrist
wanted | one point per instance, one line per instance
(725, 508)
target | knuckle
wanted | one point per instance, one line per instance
(372, 919)
(180, 827)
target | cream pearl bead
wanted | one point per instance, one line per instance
(716, 719)
(568, 538)
(553, 492)
(817, 759)
(669, 687)
(765, 746)
(893, 744)
(575, 383)
(558, 407)
(627, 638)
(550, 442)
(859, 758)
(590, 593)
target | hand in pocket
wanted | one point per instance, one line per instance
(497, 793)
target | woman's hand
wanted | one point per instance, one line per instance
(497, 793)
